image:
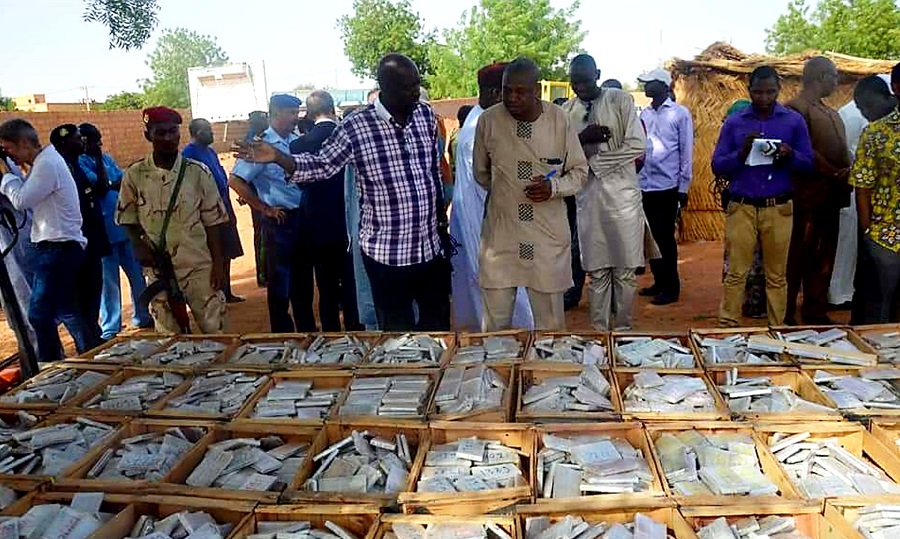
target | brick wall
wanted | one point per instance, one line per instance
(123, 133)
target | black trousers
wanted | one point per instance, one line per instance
(573, 295)
(396, 288)
(88, 292)
(348, 295)
(323, 264)
(289, 309)
(661, 209)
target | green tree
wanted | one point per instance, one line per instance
(129, 22)
(500, 30)
(867, 28)
(123, 101)
(177, 51)
(7, 103)
(378, 27)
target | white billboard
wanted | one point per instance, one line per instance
(228, 92)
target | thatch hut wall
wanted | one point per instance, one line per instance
(709, 84)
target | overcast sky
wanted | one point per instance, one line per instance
(50, 50)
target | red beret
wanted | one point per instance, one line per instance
(492, 76)
(154, 115)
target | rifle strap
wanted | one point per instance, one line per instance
(172, 200)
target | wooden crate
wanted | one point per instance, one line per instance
(94, 452)
(852, 336)
(130, 508)
(502, 414)
(334, 432)
(634, 433)
(78, 405)
(808, 517)
(513, 435)
(531, 374)
(505, 522)
(887, 431)
(882, 328)
(49, 406)
(320, 380)
(228, 340)
(768, 464)
(359, 520)
(472, 339)
(24, 504)
(226, 359)
(449, 339)
(371, 338)
(697, 336)
(161, 410)
(842, 516)
(852, 437)
(90, 355)
(799, 381)
(602, 336)
(76, 479)
(177, 477)
(412, 420)
(662, 511)
(856, 414)
(615, 338)
(624, 378)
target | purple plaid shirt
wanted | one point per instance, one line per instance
(397, 176)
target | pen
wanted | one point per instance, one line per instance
(551, 174)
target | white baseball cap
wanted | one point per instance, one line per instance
(661, 75)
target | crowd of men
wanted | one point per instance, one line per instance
(357, 208)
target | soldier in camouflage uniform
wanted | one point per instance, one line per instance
(193, 238)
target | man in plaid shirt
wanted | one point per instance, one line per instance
(393, 147)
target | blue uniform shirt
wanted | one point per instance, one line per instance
(271, 185)
(88, 164)
(208, 157)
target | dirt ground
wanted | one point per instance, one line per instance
(700, 266)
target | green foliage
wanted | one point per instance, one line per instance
(501, 30)
(7, 103)
(176, 51)
(130, 22)
(379, 27)
(866, 28)
(123, 101)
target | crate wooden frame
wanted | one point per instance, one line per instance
(634, 433)
(799, 382)
(359, 520)
(386, 521)
(25, 503)
(842, 516)
(161, 410)
(227, 339)
(47, 406)
(370, 337)
(624, 377)
(603, 336)
(179, 474)
(77, 405)
(502, 414)
(434, 374)
(303, 340)
(320, 380)
(90, 355)
(334, 432)
(852, 437)
(887, 431)
(76, 479)
(531, 372)
(517, 436)
(849, 370)
(861, 330)
(662, 510)
(768, 464)
(450, 339)
(683, 337)
(697, 335)
(469, 339)
(852, 336)
(808, 516)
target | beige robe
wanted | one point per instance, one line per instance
(611, 219)
(526, 244)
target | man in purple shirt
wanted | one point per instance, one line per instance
(761, 208)
(665, 179)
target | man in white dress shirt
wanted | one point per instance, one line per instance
(50, 193)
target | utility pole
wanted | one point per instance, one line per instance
(87, 98)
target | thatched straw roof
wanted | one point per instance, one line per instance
(716, 78)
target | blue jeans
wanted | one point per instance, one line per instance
(53, 297)
(121, 256)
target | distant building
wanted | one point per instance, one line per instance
(228, 92)
(38, 103)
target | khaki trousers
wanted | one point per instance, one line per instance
(746, 225)
(548, 310)
(611, 293)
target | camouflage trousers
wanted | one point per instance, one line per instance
(207, 305)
